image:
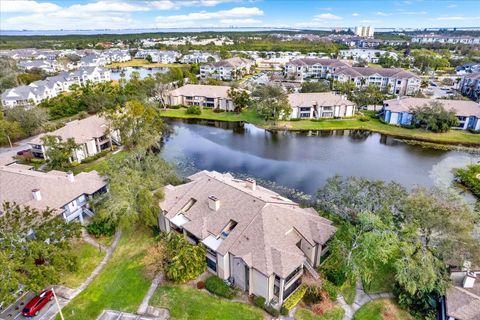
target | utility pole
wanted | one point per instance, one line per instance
(58, 305)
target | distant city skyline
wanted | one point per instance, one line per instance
(163, 14)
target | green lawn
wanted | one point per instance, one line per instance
(335, 314)
(383, 309)
(375, 125)
(185, 302)
(99, 165)
(349, 291)
(120, 286)
(382, 281)
(88, 259)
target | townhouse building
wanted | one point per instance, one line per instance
(400, 111)
(316, 105)
(312, 68)
(66, 193)
(445, 39)
(92, 135)
(367, 55)
(228, 69)
(40, 90)
(45, 65)
(199, 57)
(469, 85)
(393, 80)
(256, 239)
(215, 97)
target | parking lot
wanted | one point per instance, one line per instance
(14, 311)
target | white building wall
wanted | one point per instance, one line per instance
(259, 285)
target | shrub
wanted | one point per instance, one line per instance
(272, 311)
(101, 226)
(184, 260)
(216, 110)
(364, 118)
(96, 156)
(82, 115)
(216, 286)
(294, 298)
(37, 161)
(200, 285)
(409, 126)
(330, 289)
(335, 275)
(175, 107)
(259, 301)
(295, 119)
(194, 110)
(74, 163)
(312, 295)
(283, 311)
(468, 177)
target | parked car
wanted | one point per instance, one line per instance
(22, 152)
(33, 307)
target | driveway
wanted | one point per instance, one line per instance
(13, 312)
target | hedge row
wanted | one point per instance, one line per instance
(294, 298)
(216, 286)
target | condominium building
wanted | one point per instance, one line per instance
(215, 97)
(228, 69)
(316, 105)
(313, 68)
(364, 31)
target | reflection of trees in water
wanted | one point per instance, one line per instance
(359, 134)
(186, 167)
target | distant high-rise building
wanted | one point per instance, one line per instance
(364, 31)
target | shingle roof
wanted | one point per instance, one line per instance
(81, 130)
(17, 183)
(268, 225)
(201, 91)
(463, 303)
(321, 98)
(233, 62)
(460, 107)
(384, 72)
(321, 61)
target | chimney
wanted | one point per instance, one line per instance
(36, 194)
(251, 184)
(213, 203)
(469, 280)
(70, 176)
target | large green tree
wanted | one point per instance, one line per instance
(9, 130)
(435, 117)
(240, 98)
(34, 249)
(135, 188)
(320, 86)
(139, 124)
(271, 102)
(58, 152)
(28, 119)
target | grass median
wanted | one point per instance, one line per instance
(121, 285)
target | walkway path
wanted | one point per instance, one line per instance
(68, 294)
(361, 298)
(142, 309)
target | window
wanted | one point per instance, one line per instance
(293, 274)
(211, 264)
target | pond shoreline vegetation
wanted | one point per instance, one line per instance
(453, 137)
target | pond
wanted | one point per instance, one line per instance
(303, 161)
(144, 72)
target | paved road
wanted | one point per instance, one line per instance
(48, 311)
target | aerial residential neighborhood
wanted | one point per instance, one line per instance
(217, 160)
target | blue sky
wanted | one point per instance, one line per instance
(125, 14)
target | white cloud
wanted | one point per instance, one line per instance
(456, 18)
(413, 13)
(326, 16)
(107, 6)
(208, 15)
(27, 6)
(452, 5)
(174, 5)
(236, 22)
(383, 14)
(355, 14)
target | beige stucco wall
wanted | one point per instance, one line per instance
(259, 285)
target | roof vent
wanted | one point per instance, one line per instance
(213, 203)
(70, 176)
(36, 194)
(251, 184)
(469, 280)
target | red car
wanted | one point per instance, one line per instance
(34, 306)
